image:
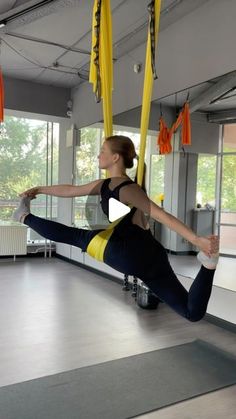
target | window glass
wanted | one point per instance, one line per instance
(206, 180)
(86, 171)
(28, 157)
(229, 144)
(228, 190)
(157, 179)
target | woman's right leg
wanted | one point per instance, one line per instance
(143, 256)
(190, 304)
(59, 232)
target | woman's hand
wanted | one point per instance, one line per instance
(209, 245)
(31, 192)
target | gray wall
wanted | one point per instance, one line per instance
(205, 136)
(132, 118)
(37, 98)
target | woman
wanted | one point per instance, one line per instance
(132, 249)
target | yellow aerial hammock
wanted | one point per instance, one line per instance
(101, 77)
(154, 9)
(101, 67)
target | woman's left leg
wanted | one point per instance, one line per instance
(52, 230)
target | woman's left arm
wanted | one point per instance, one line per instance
(134, 195)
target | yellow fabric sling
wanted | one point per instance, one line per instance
(154, 10)
(101, 68)
(98, 244)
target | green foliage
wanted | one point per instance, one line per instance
(86, 156)
(22, 154)
(23, 159)
(228, 195)
(206, 179)
(157, 177)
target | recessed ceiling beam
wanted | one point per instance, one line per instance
(224, 85)
(223, 117)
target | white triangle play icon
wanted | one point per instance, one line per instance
(116, 209)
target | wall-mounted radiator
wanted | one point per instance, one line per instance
(13, 238)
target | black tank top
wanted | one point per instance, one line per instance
(106, 194)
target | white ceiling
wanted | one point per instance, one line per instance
(67, 23)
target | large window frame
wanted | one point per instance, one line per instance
(220, 225)
(46, 206)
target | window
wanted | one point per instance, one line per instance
(28, 157)
(228, 191)
(206, 180)
(157, 178)
(87, 170)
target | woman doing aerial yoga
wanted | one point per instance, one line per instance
(131, 248)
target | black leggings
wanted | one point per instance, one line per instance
(135, 251)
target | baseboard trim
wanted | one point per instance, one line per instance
(182, 253)
(28, 255)
(217, 321)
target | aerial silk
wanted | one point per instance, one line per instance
(1, 97)
(165, 134)
(154, 19)
(101, 68)
(101, 77)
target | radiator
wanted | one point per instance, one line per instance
(13, 239)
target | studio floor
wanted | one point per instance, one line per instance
(55, 316)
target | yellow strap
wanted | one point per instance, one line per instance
(147, 95)
(97, 245)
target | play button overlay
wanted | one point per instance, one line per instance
(116, 209)
(89, 214)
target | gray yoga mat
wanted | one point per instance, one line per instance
(122, 388)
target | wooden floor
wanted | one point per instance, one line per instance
(55, 317)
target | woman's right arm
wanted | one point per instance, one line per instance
(66, 191)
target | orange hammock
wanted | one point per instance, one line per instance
(165, 134)
(1, 97)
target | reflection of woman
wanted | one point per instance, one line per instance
(132, 249)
